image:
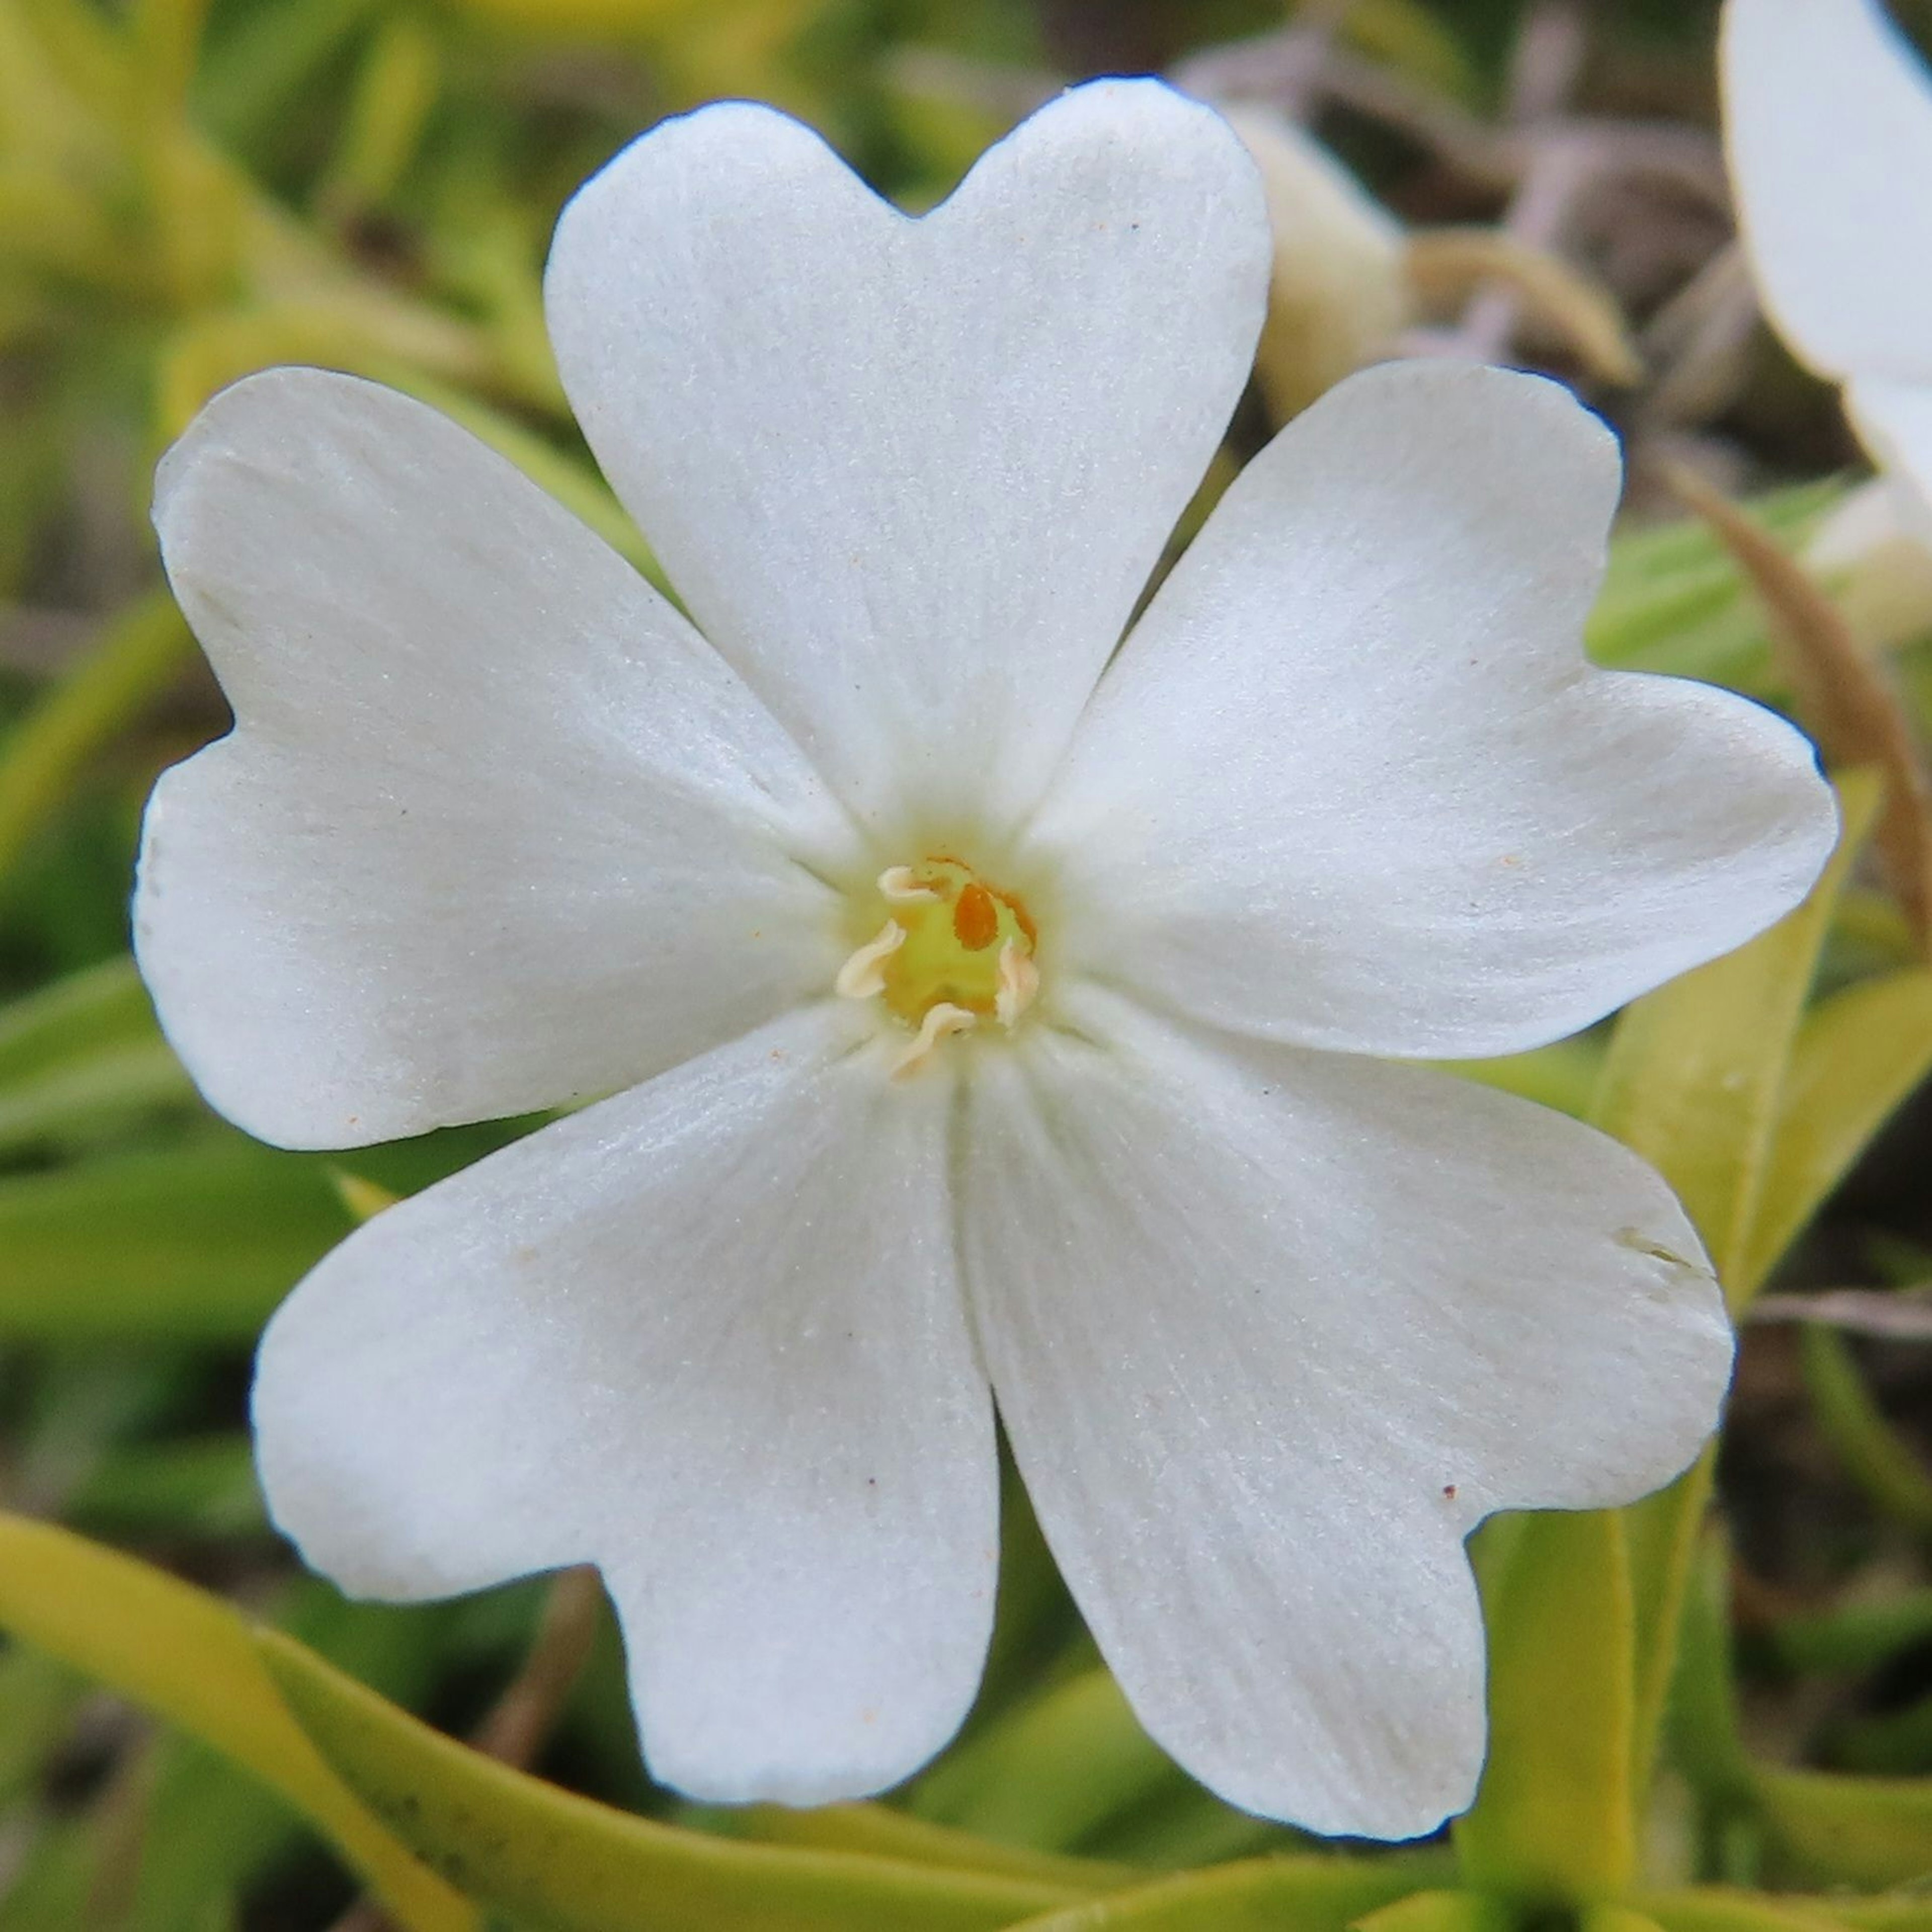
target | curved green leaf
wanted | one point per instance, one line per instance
(1608, 1916)
(878, 1830)
(200, 1241)
(1889, 1911)
(1713, 1908)
(192, 1660)
(83, 1056)
(537, 1853)
(1854, 1636)
(1048, 1773)
(1284, 1894)
(1836, 1830)
(140, 651)
(1442, 1912)
(1872, 1453)
(1860, 1054)
(100, 1005)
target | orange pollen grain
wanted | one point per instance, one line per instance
(976, 919)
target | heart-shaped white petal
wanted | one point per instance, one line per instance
(496, 830)
(1351, 782)
(1270, 1331)
(709, 1336)
(910, 476)
(1827, 118)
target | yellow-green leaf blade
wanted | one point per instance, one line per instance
(192, 1660)
(535, 1852)
(880, 1831)
(1695, 1081)
(199, 1240)
(1279, 1895)
(1857, 1058)
(1713, 1908)
(1442, 1912)
(1697, 1070)
(1610, 1915)
(1883, 1465)
(1553, 1818)
(1831, 1829)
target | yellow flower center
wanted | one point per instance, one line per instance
(953, 950)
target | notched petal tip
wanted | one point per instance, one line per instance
(259, 408)
(745, 138)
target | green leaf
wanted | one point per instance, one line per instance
(83, 1057)
(1320, 1894)
(210, 1832)
(1673, 599)
(1608, 1916)
(38, 1697)
(102, 1091)
(1896, 1743)
(1442, 1912)
(1564, 1075)
(539, 1854)
(879, 1830)
(1695, 1082)
(1854, 1636)
(1706, 1728)
(140, 652)
(104, 1005)
(1901, 1912)
(1874, 1454)
(1857, 1058)
(203, 1486)
(1711, 1908)
(1052, 1771)
(1835, 1830)
(199, 1242)
(192, 1660)
(1552, 1819)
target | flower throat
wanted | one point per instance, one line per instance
(954, 950)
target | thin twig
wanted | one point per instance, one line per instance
(1548, 59)
(1699, 340)
(1892, 1314)
(1284, 67)
(1844, 698)
(519, 1725)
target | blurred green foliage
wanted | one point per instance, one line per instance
(192, 189)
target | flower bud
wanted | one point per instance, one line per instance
(1340, 293)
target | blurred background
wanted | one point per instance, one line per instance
(193, 189)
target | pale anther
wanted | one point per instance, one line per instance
(901, 883)
(863, 975)
(1019, 982)
(941, 1020)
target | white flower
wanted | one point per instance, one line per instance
(1827, 118)
(1271, 1325)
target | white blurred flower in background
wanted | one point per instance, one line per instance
(1827, 116)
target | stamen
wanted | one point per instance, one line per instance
(864, 974)
(901, 884)
(1019, 983)
(940, 1021)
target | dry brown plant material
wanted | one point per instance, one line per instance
(1844, 698)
